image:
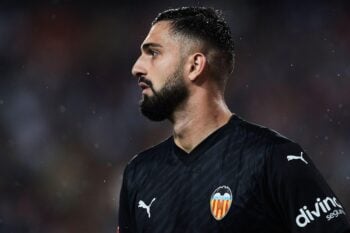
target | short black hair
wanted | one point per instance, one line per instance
(208, 25)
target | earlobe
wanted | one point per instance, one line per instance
(198, 63)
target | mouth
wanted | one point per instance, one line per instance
(143, 85)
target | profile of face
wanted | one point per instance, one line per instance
(159, 70)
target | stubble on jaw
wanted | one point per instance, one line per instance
(162, 104)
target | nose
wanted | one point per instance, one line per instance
(139, 68)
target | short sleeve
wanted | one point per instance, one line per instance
(299, 194)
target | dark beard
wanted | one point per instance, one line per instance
(163, 103)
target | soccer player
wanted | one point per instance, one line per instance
(217, 173)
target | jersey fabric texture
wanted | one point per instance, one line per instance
(242, 178)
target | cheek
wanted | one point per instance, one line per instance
(161, 74)
(159, 81)
(163, 67)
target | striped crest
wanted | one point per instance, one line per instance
(220, 202)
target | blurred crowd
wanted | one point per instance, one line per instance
(69, 118)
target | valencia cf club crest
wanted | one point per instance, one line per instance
(220, 202)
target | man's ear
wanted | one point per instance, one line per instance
(196, 65)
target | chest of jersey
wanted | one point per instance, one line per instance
(215, 193)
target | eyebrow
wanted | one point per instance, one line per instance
(148, 45)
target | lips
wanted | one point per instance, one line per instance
(143, 85)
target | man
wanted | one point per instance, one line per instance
(217, 173)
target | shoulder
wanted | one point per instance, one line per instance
(264, 150)
(276, 159)
(151, 153)
(149, 156)
(258, 138)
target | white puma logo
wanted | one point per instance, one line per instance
(142, 204)
(292, 157)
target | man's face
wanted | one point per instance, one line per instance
(160, 73)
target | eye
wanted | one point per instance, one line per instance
(153, 52)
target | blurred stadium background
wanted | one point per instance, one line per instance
(69, 118)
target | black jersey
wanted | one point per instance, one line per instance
(242, 178)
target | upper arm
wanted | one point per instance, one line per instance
(300, 194)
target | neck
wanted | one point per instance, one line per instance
(196, 120)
